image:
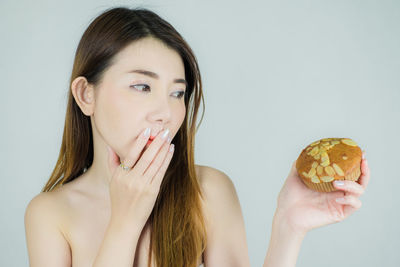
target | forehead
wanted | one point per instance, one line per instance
(150, 54)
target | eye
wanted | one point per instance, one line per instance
(145, 87)
(140, 86)
(180, 94)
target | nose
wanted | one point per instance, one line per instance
(161, 110)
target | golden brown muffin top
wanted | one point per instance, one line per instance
(328, 159)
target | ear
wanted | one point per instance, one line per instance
(83, 93)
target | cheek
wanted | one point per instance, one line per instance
(180, 117)
(116, 121)
(182, 114)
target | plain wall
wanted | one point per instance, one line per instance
(277, 75)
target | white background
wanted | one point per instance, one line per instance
(277, 75)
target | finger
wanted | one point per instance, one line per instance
(349, 200)
(365, 174)
(157, 162)
(150, 153)
(293, 171)
(138, 146)
(349, 187)
(158, 178)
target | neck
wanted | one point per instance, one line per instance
(99, 173)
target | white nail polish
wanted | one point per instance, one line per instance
(339, 183)
(340, 200)
(165, 134)
(146, 132)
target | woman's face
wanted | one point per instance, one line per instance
(143, 88)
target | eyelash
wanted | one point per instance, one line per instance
(181, 93)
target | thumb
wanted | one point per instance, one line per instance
(113, 160)
(294, 169)
(293, 172)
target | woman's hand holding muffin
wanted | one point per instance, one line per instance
(302, 207)
(305, 209)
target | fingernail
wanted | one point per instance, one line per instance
(165, 134)
(169, 140)
(146, 133)
(340, 200)
(339, 183)
(171, 148)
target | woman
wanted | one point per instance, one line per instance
(125, 190)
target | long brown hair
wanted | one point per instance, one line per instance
(178, 234)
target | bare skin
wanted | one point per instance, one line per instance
(99, 219)
(83, 220)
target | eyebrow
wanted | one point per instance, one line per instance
(156, 76)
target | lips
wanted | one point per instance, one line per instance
(151, 138)
(154, 133)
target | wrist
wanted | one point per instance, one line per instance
(124, 227)
(285, 243)
(282, 223)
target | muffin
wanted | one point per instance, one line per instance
(327, 160)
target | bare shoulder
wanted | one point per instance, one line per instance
(226, 242)
(50, 204)
(46, 242)
(44, 204)
(220, 199)
(215, 183)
